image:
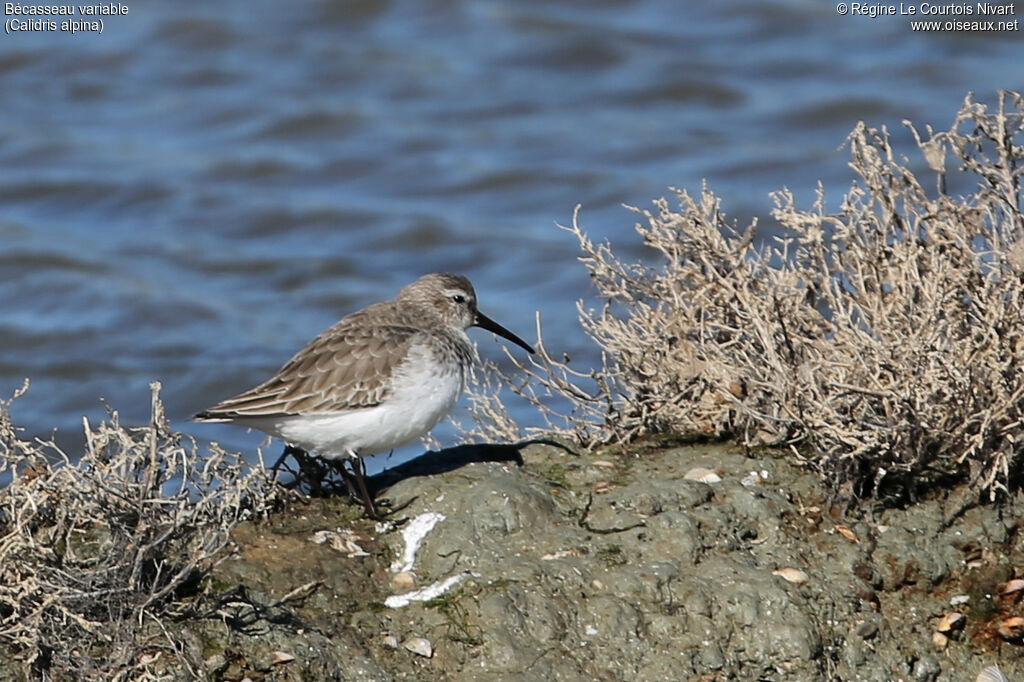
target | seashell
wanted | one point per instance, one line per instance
(703, 475)
(1011, 587)
(1011, 629)
(603, 463)
(560, 554)
(793, 575)
(420, 646)
(602, 487)
(939, 639)
(145, 658)
(403, 581)
(390, 641)
(342, 540)
(950, 621)
(991, 674)
(751, 479)
(279, 657)
(847, 533)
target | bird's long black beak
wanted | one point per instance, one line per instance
(490, 325)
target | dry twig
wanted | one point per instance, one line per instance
(91, 549)
(887, 337)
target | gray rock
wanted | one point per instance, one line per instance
(605, 567)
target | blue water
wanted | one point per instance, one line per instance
(196, 192)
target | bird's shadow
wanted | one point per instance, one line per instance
(435, 462)
(430, 463)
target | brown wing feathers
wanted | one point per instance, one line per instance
(346, 367)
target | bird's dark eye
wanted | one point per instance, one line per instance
(459, 298)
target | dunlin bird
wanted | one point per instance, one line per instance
(378, 379)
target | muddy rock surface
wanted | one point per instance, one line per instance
(686, 562)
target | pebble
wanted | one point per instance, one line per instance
(867, 630)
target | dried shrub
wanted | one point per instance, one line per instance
(885, 339)
(94, 552)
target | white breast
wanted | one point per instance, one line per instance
(424, 389)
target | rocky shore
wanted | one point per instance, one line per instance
(671, 562)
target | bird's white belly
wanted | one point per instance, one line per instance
(420, 398)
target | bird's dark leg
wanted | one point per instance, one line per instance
(310, 470)
(359, 471)
(288, 450)
(339, 466)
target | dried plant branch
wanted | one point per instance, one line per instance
(91, 549)
(885, 337)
